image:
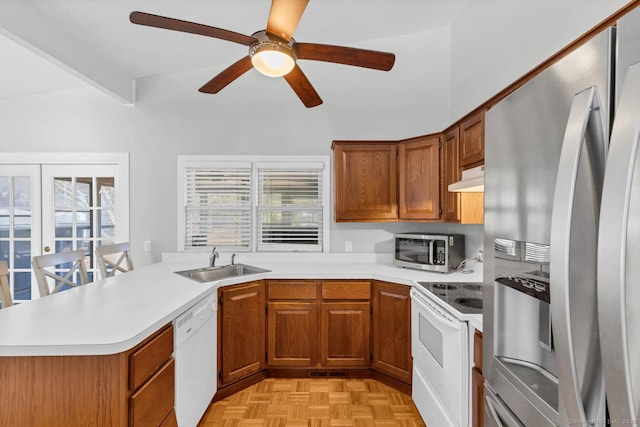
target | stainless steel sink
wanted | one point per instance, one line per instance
(208, 274)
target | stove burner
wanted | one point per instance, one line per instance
(470, 302)
(443, 287)
(472, 287)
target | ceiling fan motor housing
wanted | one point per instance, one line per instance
(271, 55)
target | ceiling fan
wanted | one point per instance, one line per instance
(273, 51)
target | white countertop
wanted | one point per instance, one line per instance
(113, 315)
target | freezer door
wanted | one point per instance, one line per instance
(618, 259)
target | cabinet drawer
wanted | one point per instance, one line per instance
(291, 289)
(150, 405)
(151, 356)
(346, 290)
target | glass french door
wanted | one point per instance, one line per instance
(53, 208)
(20, 226)
(80, 210)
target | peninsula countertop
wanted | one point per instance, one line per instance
(115, 314)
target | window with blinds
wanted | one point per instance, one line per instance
(289, 209)
(218, 209)
(263, 203)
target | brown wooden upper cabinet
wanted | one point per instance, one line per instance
(386, 181)
(419, 178)
(465, 208)
(472, 141)
(450, 174)
(365, 181)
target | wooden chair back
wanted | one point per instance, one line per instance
(5, 292)
(113, 258)
(75, 258)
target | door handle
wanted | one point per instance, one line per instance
(573, 259)
(47, 249)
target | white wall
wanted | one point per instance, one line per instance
(495, 42)
(80, 119)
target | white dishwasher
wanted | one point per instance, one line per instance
(195, 354)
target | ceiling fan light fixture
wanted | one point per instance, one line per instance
(272, 58)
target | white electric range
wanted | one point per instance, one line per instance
(441, 351)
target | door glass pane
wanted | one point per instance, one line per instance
(21, 192)
(83, 192)
(64, 246)
(83, 224)
(63, 193)
(22, 254)
(4, 251)
(4, 191)
(4, 223)
(106, 193)
(106, 226)
(22, 221)
(63, 224)
(22, 285)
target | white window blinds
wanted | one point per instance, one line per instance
(290, 208)
(218, 208)
(253, 203)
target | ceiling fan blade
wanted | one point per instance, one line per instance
(284, 17)
(345, 55)
(228, 75)
(302, 87)
(150, 20)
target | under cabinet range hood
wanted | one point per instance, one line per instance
(472, 181)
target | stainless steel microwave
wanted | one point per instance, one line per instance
(432, 252)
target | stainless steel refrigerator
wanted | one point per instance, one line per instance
(562, 241)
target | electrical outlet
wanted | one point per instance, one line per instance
(348, 246)
(147, 245)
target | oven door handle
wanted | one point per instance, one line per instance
(434, 314)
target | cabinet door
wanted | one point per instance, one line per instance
(419, 178)
(242, 331)
(472, 141)
(451, 174)
(345, 334)
(392, 330)
(292, 334)
(365, 182)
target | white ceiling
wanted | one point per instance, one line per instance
(58, 44)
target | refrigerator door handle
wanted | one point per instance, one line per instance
(573, 260)
(618, 252)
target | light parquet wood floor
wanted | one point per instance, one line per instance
(314, 402)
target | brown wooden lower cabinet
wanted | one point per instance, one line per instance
(91, 390)
(345, 329)
(292, 334)
(392, 330)
(241, 331)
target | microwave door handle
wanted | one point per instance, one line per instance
(618, 249)
(573, 259)
(431, 257)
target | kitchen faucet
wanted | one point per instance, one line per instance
(213, 256)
